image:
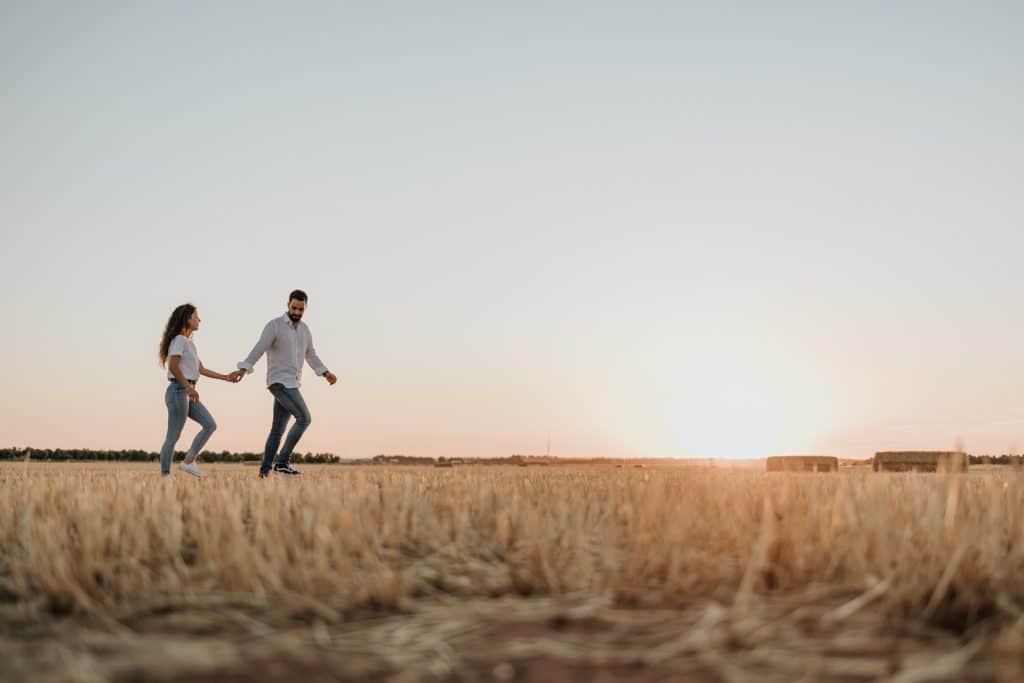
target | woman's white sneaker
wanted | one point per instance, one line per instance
(191, 468)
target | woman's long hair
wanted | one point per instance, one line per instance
(175, 324)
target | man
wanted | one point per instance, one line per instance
(286, 341)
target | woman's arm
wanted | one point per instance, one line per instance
(233, 377)
(174, 365)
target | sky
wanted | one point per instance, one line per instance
(636, 229)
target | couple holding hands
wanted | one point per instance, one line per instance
(286, 341)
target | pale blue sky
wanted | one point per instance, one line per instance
(655, 229)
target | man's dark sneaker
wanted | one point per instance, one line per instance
(286, 470)
(263, 475)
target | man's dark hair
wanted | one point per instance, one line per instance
(298, 295)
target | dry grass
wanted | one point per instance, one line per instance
(700, 572)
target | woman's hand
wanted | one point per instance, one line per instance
(193, 395)
(235, 376)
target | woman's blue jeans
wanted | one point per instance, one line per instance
(179, 408)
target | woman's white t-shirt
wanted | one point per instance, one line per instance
(186, 348)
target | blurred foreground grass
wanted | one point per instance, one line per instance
(510, 572)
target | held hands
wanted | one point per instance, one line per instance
(331, 378)
(235, 376)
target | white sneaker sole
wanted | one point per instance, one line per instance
(194, 473)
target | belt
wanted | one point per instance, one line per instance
(190, 381)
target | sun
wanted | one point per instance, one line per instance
(733, 418)
(751, 406)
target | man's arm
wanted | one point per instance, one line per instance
(266, 339)
(314, 361)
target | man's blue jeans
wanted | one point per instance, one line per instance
(178, 408)
(287, 403)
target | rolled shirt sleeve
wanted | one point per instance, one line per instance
(177, 347)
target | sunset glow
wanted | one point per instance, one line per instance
(651, 233)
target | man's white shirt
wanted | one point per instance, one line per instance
(286, 344)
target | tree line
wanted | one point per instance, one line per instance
(996, 459)
(89, 455)
(86, 455)
(135, 455)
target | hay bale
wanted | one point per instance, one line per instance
(802, 463)
(442, 464)
(920, 461)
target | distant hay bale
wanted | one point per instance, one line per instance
(442, 464)
(920, 461)
(802, 463)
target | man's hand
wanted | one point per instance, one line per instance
(193, 395)
(236, 376)
(331, 379)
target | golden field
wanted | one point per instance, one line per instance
(110, 573)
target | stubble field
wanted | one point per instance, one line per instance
(110, 573)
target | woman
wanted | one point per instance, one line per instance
(178, 352)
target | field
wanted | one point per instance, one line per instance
(110, 573)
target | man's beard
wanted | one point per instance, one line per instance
(295, 318)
